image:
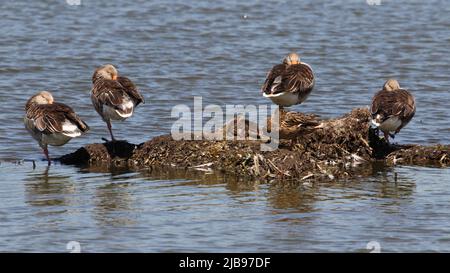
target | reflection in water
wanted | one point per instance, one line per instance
(44, 188)
(391, 183)
(301, 199)
(114, 197)
(186, 176)
(113, 170)
(378, 181)
(114, 204)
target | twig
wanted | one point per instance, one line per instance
(275, 167)
(307, 176)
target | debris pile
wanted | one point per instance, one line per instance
(309, 149)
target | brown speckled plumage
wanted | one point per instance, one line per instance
(294, 125)
(393, 102)
(296, 78)
(51, 123)
(114, 97)
(49, 118)
(113, 93)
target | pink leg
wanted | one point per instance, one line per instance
(110, 130)
(47, 156)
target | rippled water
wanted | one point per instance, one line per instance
(175, 50)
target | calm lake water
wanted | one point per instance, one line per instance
(219, 50)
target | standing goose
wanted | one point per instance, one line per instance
(51, 123)
(114, 97)
(289, 83)
(392, 108)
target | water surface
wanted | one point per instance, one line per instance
(219, 50)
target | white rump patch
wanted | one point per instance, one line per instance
(124, 116)
(70, 129)
(114, 114)
(283, 98)
(127, 105)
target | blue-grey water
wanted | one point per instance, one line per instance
(220, 50)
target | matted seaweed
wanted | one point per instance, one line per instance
(337, 148)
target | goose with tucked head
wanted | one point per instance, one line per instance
(50, 122)
(114, 97)
(392, 108)
(290, 82)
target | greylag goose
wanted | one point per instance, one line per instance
(293, 125)
(289, 83)
(50, 122)
(392, 108)
(114, 97)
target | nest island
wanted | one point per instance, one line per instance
(338, 148)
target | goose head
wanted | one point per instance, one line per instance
(391, 85)
(43, 97)
(107, 72)
(291, 58)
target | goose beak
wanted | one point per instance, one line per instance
(114, 78)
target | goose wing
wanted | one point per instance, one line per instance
(110, 93)
(272, 84)
(298, 78)
(398, 103)
(56, 118)
(131, 90)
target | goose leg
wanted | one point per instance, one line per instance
(386, 137)
(47, 156)
(110, 130)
